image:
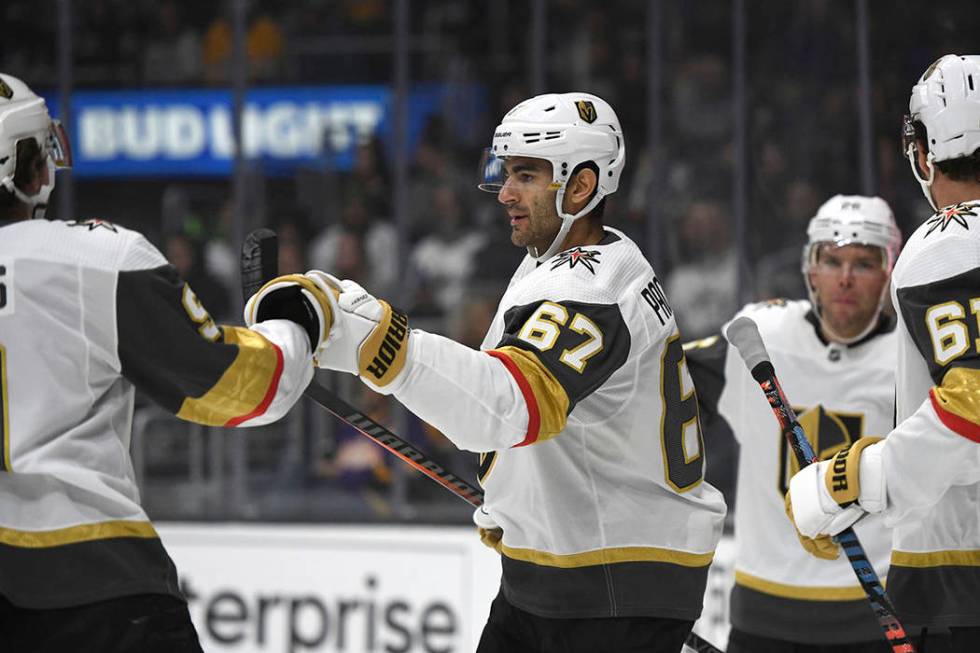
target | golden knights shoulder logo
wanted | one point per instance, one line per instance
(94, 223)
(588, 258)
(955, 214)
(586, 111)
(829, 431)
(5, 90)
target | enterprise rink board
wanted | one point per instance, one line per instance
(355, 589)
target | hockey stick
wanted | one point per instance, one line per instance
(744, 335)
(259, 264)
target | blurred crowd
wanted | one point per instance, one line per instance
(802, 144)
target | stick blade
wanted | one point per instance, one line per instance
(260, 260)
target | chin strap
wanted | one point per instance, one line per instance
(566, 224)
(924, 184)
(37, 202)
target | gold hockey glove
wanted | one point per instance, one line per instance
(822, 546)
(371, 339)
(308, 300)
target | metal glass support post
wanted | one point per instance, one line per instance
(654, 144)
(66, 81)
(866, 124)
(539, 38)
(739, 174)
(402, 215)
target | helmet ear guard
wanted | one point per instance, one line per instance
(566, 130)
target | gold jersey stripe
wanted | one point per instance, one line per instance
(847, 593)
(609, 556)
(74, 534)
(548, 392)
(244, 388)
(957, 401)
(936, 559)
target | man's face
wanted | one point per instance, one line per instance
(848, 282)
(530, 200)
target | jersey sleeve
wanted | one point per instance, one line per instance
(706, 361)
(941, 318)
(559, 353)
(552, 354)
(937, 446)
(172, 350)
(922, 459)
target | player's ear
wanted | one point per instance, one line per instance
(581, 187)
(921, 155)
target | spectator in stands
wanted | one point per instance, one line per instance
(378, 237)
(172, 50)
(443, 260)
(264, 46)
(703, 288)
(188, 257)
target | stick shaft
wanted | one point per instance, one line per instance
(880, 603)
(385, 438)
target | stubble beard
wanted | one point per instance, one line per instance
(535, 230)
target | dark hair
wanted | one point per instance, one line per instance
(964, 168)
(600, 208)
(28, 152)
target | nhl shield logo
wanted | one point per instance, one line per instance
(7, 92)
(586, 110)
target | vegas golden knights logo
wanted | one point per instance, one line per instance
(586, 110)
(829, 431)
(8, 92)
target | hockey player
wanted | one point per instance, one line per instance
(924, 478)
(88, 311)
(784, 600)
(580, 403)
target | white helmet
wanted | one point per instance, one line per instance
(566, 129)
(24, 115)
(851, 220)
(946, 100)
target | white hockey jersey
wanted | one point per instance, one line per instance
(87, 311)
(932, 458)
(593, 458)
(840, 393)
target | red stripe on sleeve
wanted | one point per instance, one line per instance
(269, 394)
(954, 422)
(533, 414)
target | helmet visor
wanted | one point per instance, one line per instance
(58, 146)
(492, 174)
(908, 134)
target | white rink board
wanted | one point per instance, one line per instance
(357, 589)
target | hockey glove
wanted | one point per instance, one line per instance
(827, 497)
(306, 299)
(371, 339)
(490, 534)
(822, 546)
